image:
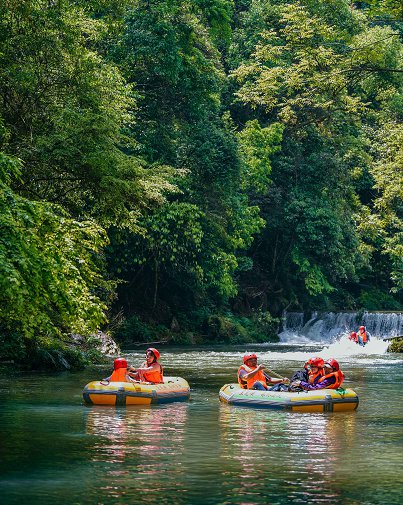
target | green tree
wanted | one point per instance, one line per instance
(50, 266)
(168, 52)
(65, 109)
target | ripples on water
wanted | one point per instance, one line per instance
(56, 450)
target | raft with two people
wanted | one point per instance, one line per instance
(145, 385)
(318, 391)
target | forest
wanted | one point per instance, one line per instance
(183, 171)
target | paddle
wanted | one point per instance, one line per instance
(273, 374)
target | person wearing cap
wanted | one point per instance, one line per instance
(314, 371)
(251, 375)
(150, 370)
(353, 336)
(331, 378)
(363, 336)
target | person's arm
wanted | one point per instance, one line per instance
(319, 385)
(153, 366)
(242, 374)
(273, 380)
(250, 375)
(132, 369)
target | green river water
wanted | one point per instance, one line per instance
(56, 450)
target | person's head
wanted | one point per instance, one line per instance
(332, 365)
(119, 363)
(250, 359)
(316, 363)
(353, 334)
(362, 328)
(152, 355)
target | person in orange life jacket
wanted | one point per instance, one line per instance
(119, 373)
(315, 372)
(332, 378)
(363, 336)
(251, 376)
(150, 370)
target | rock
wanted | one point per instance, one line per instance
(175, 325)
(101, 341)
(107, 345)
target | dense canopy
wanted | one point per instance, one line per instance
(186, 170)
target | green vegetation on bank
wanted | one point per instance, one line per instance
(396, 345)
(185, 170)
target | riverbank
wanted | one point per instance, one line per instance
(75, 352)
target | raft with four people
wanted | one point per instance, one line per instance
(323, 400)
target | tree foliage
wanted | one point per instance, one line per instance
(49, 265)
(65, 109)
(176, 160)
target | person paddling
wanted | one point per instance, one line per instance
(251, 375)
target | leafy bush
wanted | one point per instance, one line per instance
(225, 329)
(133, 329)
(396, 345)
(375, 299)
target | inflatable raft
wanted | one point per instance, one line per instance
(323, 400)
(173, 389)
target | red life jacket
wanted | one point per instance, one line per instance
(363, 336)
(339, 378)
(248, 383)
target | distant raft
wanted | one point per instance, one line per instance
(322, 400)
(173, 389)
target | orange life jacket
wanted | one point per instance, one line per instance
(119, 375)
(339, 376)
(248, 383)
(154, 376)
(314, 378)
(363, 336)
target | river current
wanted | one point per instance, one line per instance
(56, 450)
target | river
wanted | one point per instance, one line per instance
(56, 450)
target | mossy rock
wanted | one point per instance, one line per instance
(396, 345)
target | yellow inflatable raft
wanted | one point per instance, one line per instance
(173, 389)
(322, 400)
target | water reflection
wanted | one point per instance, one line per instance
(137, 448)
(308, 450)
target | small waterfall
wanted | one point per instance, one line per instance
(330, 326)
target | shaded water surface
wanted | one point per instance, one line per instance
(53, 449)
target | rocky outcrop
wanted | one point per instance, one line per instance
(99, 341)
